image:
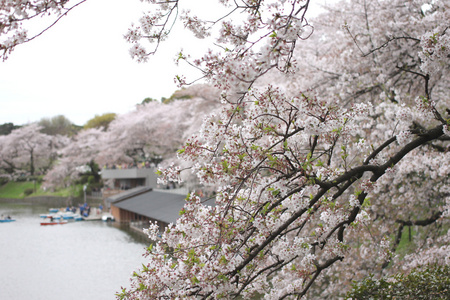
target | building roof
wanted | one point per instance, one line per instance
(161, 205)
(125, 194)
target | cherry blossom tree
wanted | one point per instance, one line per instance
(28, 150)
(323, 153)
(155, 129)
(78, 153)
(7, 155)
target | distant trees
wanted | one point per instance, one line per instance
(6, 128)
(58, 125)
(82, 149)
(100, 121)
(148, 100)
(153, 132)
(156, 129)
(29, 150)
(33, 149)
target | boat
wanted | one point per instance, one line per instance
(7, 220)
(53, 223)
(106, 217)
(54, 220)
(53, 210)
(70, 216)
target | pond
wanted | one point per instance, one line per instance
(79, 260)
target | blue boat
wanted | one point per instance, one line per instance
(53, 210)
(6, 220)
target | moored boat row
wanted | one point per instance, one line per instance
(67, 214)
(59, 217)
(63, 215)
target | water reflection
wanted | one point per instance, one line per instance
(134, 236)
(80, 260)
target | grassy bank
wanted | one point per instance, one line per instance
(16, 190)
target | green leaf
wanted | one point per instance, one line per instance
(225, 166)
(223, 260)
(366, 203)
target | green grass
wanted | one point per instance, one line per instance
(15, 190)
(406, 245)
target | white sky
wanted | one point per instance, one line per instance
(81, 67)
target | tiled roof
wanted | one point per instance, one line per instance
(128, 193)
(158, 205)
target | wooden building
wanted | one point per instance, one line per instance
(144, 204)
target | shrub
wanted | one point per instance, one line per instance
(28, 191)
(3, 180)
(21, 178)
(430, 282)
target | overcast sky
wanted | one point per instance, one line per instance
(81, 67)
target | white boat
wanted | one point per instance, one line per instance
(106, 217)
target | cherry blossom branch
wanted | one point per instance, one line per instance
(9, 23)
(56, 21)
(424, 222)
(385, 44)
(378, 172)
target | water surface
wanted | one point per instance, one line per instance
(79, 260)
